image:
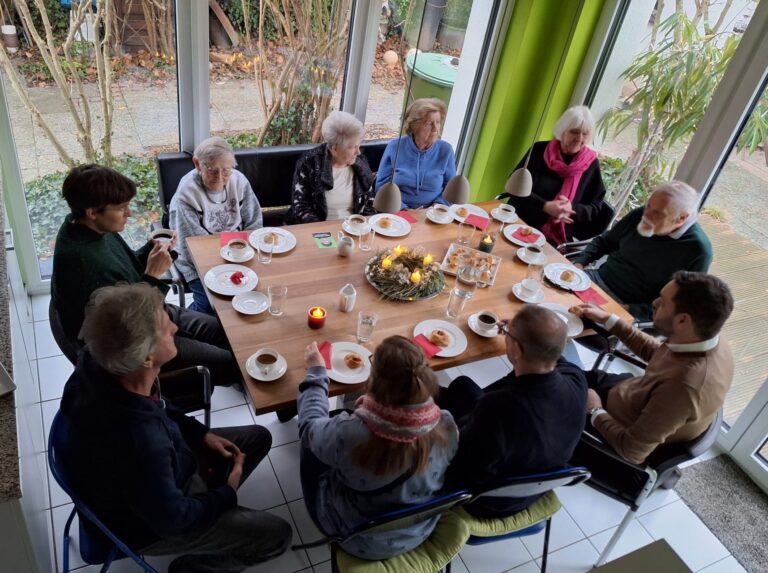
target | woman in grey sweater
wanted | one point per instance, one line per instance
(212, 198)
(391, 452)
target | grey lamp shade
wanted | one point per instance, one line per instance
(457, 190)
(388, 198)
(519, 183)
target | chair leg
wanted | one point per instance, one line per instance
(546, 546)
(448, 567)
(334, 564)
(65, 557)
(615, 537)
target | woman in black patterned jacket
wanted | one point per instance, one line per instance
(333, 180)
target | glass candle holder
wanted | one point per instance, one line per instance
(487, 241)
(316, 317)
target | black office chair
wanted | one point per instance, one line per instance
(631, 484)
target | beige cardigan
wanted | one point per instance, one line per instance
(674, 401)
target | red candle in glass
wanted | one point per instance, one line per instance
(316, 317)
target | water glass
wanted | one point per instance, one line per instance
(265, 251)
(466, 280)
(277, 295)
(465, 233)
(456, 302)
(366, 321)
(535, 272)
(366, 237)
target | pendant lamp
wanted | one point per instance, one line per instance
(457, 190)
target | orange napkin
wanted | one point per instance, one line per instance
(429, 349)
(532, 238)
(590, 295)
(325, 351)
(227, 237)
(405, 215)
(478, 221)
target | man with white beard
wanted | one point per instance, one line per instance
(646, 247)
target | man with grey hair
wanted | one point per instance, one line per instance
(647, 246)
(529, 421)
(333, 180)
(212, 198)
(161, 481)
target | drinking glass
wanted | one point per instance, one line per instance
(366, 237)
(277, 295)
(456, 303)
(466, 280)
(366, 321)
(465, 233)
(265, 251)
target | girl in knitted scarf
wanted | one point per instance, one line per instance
(391, 452)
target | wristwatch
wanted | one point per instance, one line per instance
(595, 412)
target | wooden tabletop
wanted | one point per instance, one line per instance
(314, 276)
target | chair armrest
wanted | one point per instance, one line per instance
(596, 442)
(501, 196)
(572, 247)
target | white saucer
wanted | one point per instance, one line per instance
(355, 231)
(248, 254)
(573, 322)
(458, 338)
(517, 290)
(251, 302)
(281, 367)
(448, 218)
(340, 372)
(496, 214)
(523, 256)
(472, 322)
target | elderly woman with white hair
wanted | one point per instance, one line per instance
(568, 189)
(212, 198)
(424, 162)
(333, 180)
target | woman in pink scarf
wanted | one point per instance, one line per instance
(568, 191)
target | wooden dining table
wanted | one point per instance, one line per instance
(314, 277)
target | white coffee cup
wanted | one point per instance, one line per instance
(237, 248)
(486, 321)
(506, 211)
(347, 298)
(267, 360)
(535, 255)
(530, 287)
(440, 212)
(355, 221)
(162, 235)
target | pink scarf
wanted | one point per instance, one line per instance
(571, 174)
(398, 423)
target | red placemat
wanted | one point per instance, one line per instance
(532, 238)
(478, 221)
(407, 216)
(429, 349)
(590, 295)
(226, 237)
(325, 351)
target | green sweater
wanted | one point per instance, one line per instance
(638, 267)
(85, 260)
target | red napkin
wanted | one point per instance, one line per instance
(479, 222)
(532, 238)
(590, 295)
(227, 237)
(405, 215)
(429, 349)
(325, 350)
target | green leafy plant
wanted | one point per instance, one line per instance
(755, 134)
(611, 169)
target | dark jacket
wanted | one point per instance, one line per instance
(313, 177)
(591, 217)
(521, 425)
(130, 458)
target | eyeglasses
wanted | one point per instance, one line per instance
(216, 171)
(504, 329)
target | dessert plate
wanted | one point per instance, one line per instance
(283, 240)
(573, 322)
(555, 271)
(471, 210)
(398, 227)
(342, 373)
(458, 342)
(219, 279)
(508, 230)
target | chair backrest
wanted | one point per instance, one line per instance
(405, 518)
(669, 456)
(535, 484)
(189, 389)
(68, 347)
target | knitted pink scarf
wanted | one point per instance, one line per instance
(571, 174)
(398, 423)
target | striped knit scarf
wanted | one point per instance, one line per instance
(398, 423)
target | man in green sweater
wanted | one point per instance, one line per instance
(90, 254)
(648, 246)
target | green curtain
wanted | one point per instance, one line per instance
(536, 38)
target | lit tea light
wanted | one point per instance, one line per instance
(316, 317)
(416, 276)
(486, 243)
(428, 259)
(386, 262)
(398, 250)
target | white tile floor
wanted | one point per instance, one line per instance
(580, 530)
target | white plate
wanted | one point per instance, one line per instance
(497, 214)
(573, 322)
(251, 302)
(472, 322)
(473, 210)
(285, 243)
(509, 229)
(399, 228)
(523, 256)
(458, 338)
(226, 254)
(354, 231)
(218, 279)
(340, 372)
(454, 247)
(554, 271)
(517, 290)
(448, 218)
(281, 366)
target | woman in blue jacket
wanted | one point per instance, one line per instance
(425, 163)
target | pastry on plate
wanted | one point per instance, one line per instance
(385, 222)
(353, 361)
(568, 276)
(577, 310)
(485, 276)
(462, 211)
(526, 231)
(440, 337)
(272, 238)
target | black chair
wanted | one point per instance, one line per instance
(98, 545)
(68, 347)
(631, 484)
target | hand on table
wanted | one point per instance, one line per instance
(312, 356)
(159, 259)
(594, 313)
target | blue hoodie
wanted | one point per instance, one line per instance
(421, 175)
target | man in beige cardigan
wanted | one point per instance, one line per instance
(687, 377)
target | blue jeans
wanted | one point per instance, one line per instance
(200, 299)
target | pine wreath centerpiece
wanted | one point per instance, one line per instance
(403, 273)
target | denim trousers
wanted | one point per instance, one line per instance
(200, 301)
